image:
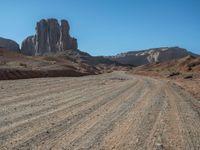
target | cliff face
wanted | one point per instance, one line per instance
(143, 57)
(28, 46)
(50, 37)
(9, 44)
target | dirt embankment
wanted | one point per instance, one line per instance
(12, 74)
(184, 72)
(108, 111)
(17, 66)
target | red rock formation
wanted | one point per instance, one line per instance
(9, 44)
(50, 37)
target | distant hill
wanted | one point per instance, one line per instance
(9, 44)
(138, 58)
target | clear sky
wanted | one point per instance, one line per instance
(106, 27)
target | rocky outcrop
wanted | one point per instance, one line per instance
(50, 37)
(9, 44)
(143, 57)
(28, 46)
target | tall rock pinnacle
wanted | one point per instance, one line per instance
(50, 37)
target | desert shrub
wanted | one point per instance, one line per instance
(193, 64)
(174, 74)
(188, 77)
(23, 65)
(3, 62)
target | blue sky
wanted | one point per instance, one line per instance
(107, 27)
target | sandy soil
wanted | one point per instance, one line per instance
(190, 85)
(108, 111)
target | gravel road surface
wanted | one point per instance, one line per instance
(108, 111)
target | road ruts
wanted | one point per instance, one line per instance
(108, 111)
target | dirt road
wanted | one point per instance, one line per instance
(109, 111)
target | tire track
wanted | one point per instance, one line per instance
(88, 123)
(15, 90)
(28, 95)
(75, 118)
(83, 104)
(189, 121)
(54, 100)
(93, 137)
(128, 134)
